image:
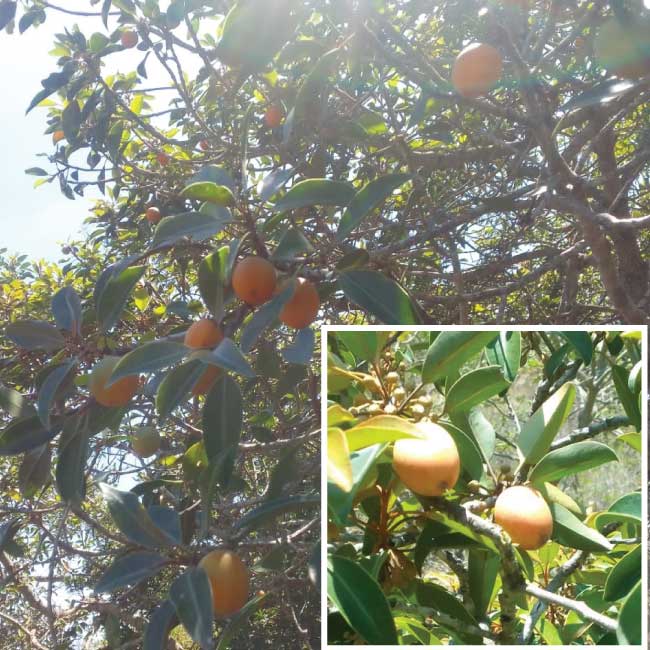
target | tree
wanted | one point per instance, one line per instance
(514, 548)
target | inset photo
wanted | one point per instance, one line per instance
(485, 486)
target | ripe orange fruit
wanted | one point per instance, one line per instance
(57, 136)
(203, 333)
(428, 465)
(476, 70)
(145, 441)
(273, 116)
(623, 50)
(163, 159)
(524, 514)
(129, 39)
(206, 380)
(153, 215)
(117, 394)
(204, 145)
(302, 308)
(229, 581)
(254, 280)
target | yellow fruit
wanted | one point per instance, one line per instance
(254, 280)
(229, 581)
(428, 465)
(524, 514)
(203, 334)
(145, 441)
(117, 394)
(302, 308)
(623, 50)
(476, 70)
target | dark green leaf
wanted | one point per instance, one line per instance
(50, 387)
(34, 472)
(238, 621)
(581, 342)
(601, 93)
(66, 307)
(192, 598)
(71, 464)
(272, 509)
(210, 192)
(222, 416)
(227, 355)
(292, 243)
(569, 531)
(162, 622)
(7, 12)
(315, 191)
(571, 459)
(196, 225)
(263, 317)
(212, 278)
(149, 358)
(34, 335)
(301, 350)
(14, 403)
(129, 570)
(24, 434)
(505, 351)
(112, 299)
(176, 385)
(624, 574)
(630, 616)
(474, 388)
(628, 399)
(71, 120)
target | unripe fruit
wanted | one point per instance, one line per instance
(254, 280)
(476, 70)
(302, 308)
(117, 394)
(57, 136)
(524, 514)
(399, 393)
(391, 379)
(145, 441)
(129, 39)
(623, 50)
(428, 465)
(153, 215)
(372, 384)
(203, 334)
(425, 400)
(273, 116)
(229, 581)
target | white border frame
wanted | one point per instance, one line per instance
(507, 327)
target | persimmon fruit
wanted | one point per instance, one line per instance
(163, 159)
(524, 514)
(129, 39)
(428, 465)
(273, 116)
(153, 215)
(57, 136)
(206, 380)
(302, 308)
(476, 70)
(254, 280)
(118, 393)
(145, 441)
(204, 333)
(229, 581)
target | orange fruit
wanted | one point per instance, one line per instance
(163, 159)
(117, 394)
(57, 136)
(254, 280)
(203, 333)
(273, 116)
(428, 465)
(129, 39)
(229, 581)
(153, 215)
(206, 380)
(302, 308)
(145, 441)
(476, 70)
(524, 514)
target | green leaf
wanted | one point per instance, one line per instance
(8, 531)
(627, 509)
(569, 531)
(628, 399)
(212, 280)
(292, 244)
(227, 355)
(571, 459)
(600, 93)
(310, 94)
(474, 388)
(15, 403)
(581, 342)
(50, 387)
(7, 12)
(451, 350)
(71, 120)
(315, 191)
(112, 298)
(625, 573)
(129, 570)
(162, 622)
(263, 317)
(237, 622)
(222, 416)
(538, 432)
(482, 569)
(339, 470)
(66, 307)
(26, 433)
(34, 335)
(367, 199)
(483, 431)
(336, 415)
(272, 509)
(301, 350)
(633, 439)
(380, 296)
(380, 429)
(366, 345)
(468, 450)
(505, 351)
(210, 192)
(361, 601)
(71, 463)
(635, 378)
(191, 596)
(149, 358)
(195, 225)
(630, 616)
(176, 385)
(34, 472)
(132, 519)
